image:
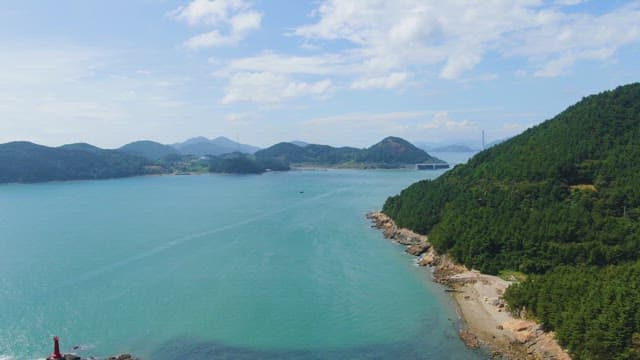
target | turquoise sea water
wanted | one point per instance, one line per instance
(274, 266)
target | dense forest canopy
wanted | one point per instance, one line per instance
(563, 193)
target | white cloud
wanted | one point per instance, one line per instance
(231, 20)
(455, 36)
(442, 121)
(390, 81)
(210, 12)
(273, 78)
(245, 22)
(567, 39)
(329, 64)
(209, 39)
(315, 69)
(266, 87)
(555, 67)
(390, 42)
(458, 63)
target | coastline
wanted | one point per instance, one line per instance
(478, 298)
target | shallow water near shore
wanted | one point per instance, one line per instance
(276, 266)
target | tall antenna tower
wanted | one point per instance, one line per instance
(483, 143)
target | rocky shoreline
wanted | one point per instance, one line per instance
(479, 301)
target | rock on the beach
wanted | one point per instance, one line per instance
(428, 259)
(389, 233)
(523, 330)
(418, 249)
(469, 338)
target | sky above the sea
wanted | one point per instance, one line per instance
(337, 72)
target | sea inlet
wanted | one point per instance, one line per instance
(273, 266)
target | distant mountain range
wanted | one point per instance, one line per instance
(27, 162)
(218, 146)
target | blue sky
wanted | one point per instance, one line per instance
(338, 72)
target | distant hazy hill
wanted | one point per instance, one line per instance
(453, 148)
(83, 147)
(560, 202)
(150, 150)
(218, 146)
(390, 152)
(27, 162)
(310, 154)
(394, 150)
(299, 143)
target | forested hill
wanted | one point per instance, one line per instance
(562, 195)
(23, 161)
(201, 146)
(149, 150)
(390, 152)
(395, 150)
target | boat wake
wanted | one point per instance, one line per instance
(179, 241)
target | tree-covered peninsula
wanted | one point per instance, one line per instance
(561, 203)
(28, 162)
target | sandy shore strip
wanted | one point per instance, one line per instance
(478, 296)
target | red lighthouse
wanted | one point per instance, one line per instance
(56, 349)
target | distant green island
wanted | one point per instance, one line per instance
(392, 152)
(560, 204)
(27, 162)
